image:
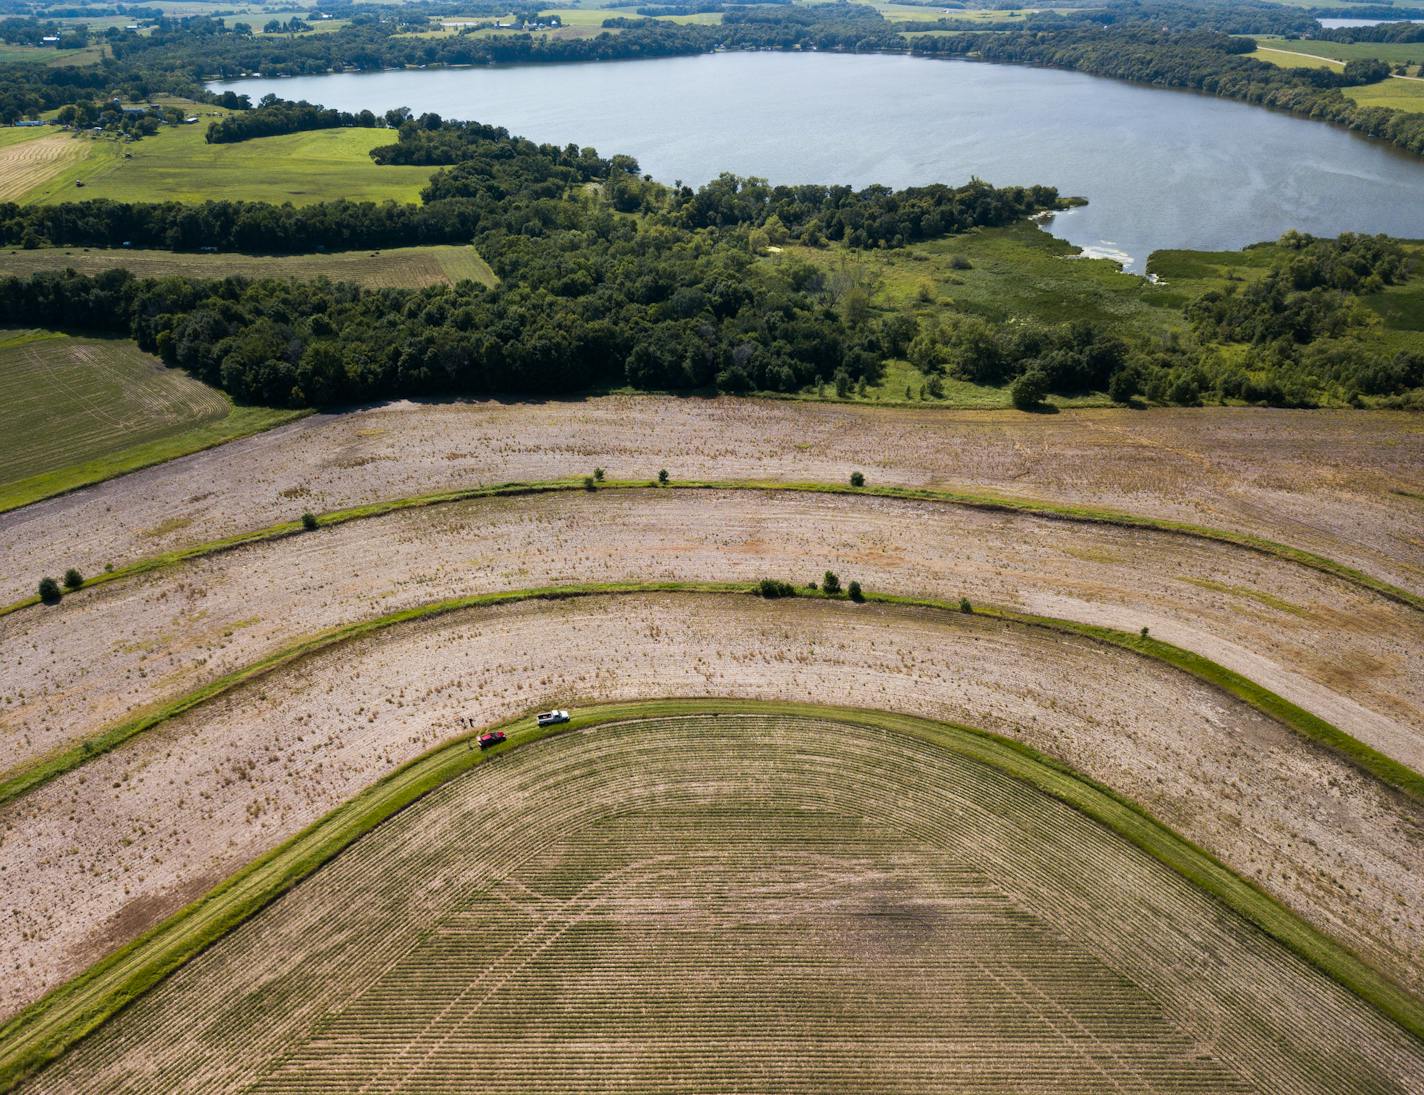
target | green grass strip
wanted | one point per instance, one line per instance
(19, 781)
(56, 1022)
(972, 500)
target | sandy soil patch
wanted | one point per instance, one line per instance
(25, 165)
(1350, 657)
(1347, 484)
(743, 904)
(95, 856)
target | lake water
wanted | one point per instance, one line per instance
(1332, 24)
(1160, 168)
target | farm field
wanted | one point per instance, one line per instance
(176, 164)
(1397, 93)
(106, 850)
(74, 410)
(1346, 484)
(1348, 655)
(1411, 53)
(751, 876)
(397, 267)
(32, 158)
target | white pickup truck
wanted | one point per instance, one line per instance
(551, 718)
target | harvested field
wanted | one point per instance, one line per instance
(1351, 657)
(1347, 484)
(24, 165)
(743, 903)
(396, 268)
(93, 858)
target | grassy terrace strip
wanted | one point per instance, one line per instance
(51, 1025)
(19, 781)
(973, 500)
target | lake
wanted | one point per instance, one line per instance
(1160, 168)
(1332, 24)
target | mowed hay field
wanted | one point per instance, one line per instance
(176, 164)
(33, 159)
(76, 409)
(743, 903)
(399, 267)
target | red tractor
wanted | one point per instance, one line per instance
(490, 739)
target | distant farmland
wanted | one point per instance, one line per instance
(742, 903)
(401, 267)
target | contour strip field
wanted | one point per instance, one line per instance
(743, 901)
(1354, 658)
(105, 851)
(1346, 485)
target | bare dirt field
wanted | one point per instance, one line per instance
(1349, 656)
(26, 164)
(1347, 484)
(95, 857)
(743, 903)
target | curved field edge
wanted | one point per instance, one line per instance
(1395, 774)
(51, 1025)
(993, 503)
(239, 422)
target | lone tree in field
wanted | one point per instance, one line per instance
(73, 579)
(857, 479)
(831, 584)
(1029, 391)
(663, 477)
(49, 591)
(309, 522)
(588, 483)
(964, 605)
(854, 593)
(598, 474)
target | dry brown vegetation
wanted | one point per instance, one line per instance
(743, 904)
(1347, 655)
(103, 852)
(1347, 484)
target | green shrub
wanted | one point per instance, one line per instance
(598, 474)
(49, 591)
(964, 605)
(854, 593)
(771, 589)
(309, 521)
(73, 579)
(1143, 633)
(857, 479)
(1029, 390)
(830, 584)
(588, 483)
(663, 477)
